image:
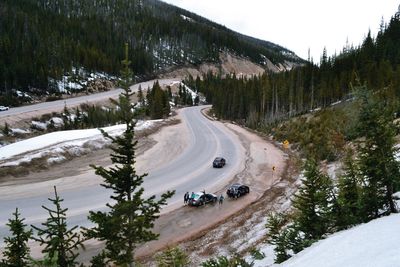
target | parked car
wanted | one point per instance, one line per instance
(237, 190)
(219, 162)
(4, 108)
(201, 198)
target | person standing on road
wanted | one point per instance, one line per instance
(221, 199)
(186, 197)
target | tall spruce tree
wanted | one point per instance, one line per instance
(16, 251)
(312, 202)
(131, 217)
(277, 236)
(141, 98)
(349, 187)
(59, 241)
(377, 161)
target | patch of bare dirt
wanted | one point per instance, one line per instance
(228, 64)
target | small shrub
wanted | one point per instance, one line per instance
(257, 254)
(175, 257)
(53, 98)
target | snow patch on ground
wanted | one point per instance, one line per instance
(39, 125)
(397, 155)
(372, 244)
(19, 131)
(334, 170)
(74, 143)
(57, 121)
(56, 159)
(336, 103)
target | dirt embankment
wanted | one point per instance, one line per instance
(228, 64)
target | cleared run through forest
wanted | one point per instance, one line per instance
(190, 171)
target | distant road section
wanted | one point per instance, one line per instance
(54, 106)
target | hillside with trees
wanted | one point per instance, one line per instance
(343, 109)
(275, 96)
(275, 102)
(40, 40)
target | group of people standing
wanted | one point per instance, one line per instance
(187, 197)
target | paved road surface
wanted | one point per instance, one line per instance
(191, 171)
(75, 101)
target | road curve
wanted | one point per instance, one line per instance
(190, 171)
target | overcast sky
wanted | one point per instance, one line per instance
(298, 24)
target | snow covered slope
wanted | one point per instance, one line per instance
(56, 142)
(374, 244)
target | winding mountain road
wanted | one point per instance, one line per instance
(191, 170)
(23, 112)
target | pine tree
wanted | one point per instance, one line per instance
(99, 260)
(66, 116)
(349, 194)
(196, 100)
(60, 242)
(223, 261)
(175, 257)
(277, 236)
(16, 251)
(157, 107)
(140, 96)
(377, 160)
(312, 202)
(131, 217)
(6, 129)
(285, 236)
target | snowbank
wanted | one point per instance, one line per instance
(70, 138)
(372, 244)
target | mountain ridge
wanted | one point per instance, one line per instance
(44, 40)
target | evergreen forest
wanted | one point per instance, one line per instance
(41, 40)
(272, 97)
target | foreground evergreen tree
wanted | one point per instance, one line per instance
(377, 154)
(131, 217)
(99, 260)
(60, 242)
(312, 202)
(349, 194)
(277, 236)
(16, 251)
(286, 237)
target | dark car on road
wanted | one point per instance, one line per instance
(219, 162)
(201, 198)
(237, 190)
